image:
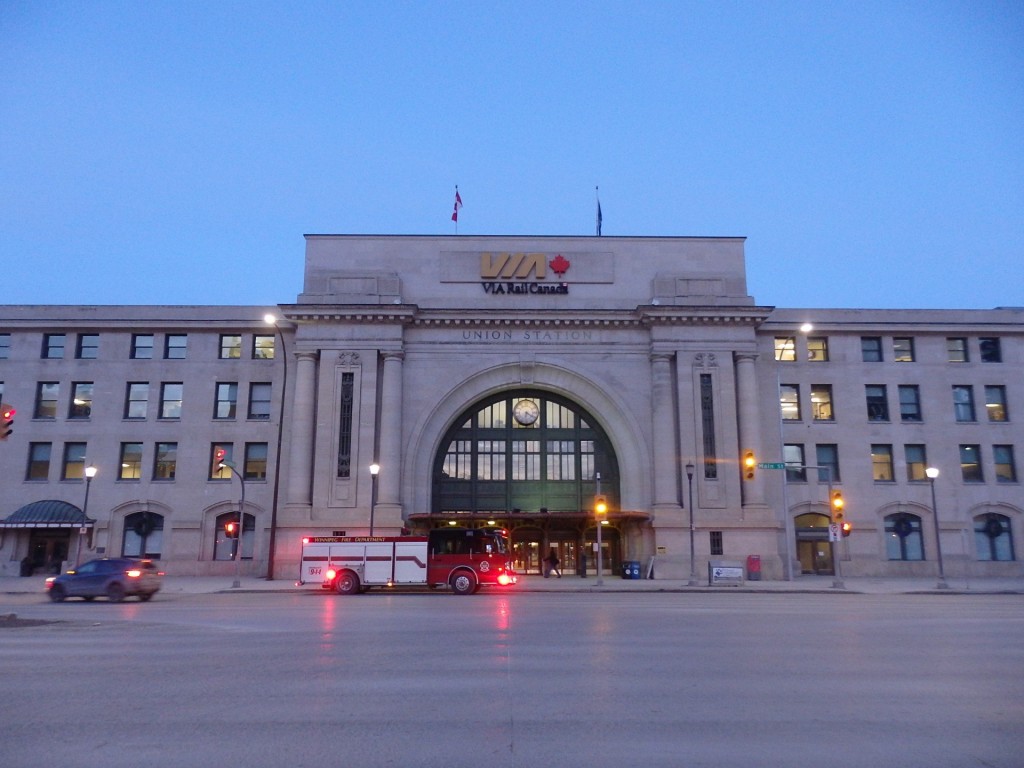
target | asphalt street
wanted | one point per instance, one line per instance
(514, 680)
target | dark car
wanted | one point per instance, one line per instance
(114, 578)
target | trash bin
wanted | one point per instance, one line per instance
(753, 567)
(630, 569)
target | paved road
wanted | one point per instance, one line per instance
(515, 680)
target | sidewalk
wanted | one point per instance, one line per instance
(12, 585)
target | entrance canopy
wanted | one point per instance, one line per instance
(48, 514)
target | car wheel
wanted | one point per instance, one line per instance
(57, 593)
(88, 598)
(463, 583)
(115, 592)
(146, 596)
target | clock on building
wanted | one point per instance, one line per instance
(526, 412)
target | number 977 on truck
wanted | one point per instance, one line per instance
(462, 559)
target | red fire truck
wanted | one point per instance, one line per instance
(464, 559)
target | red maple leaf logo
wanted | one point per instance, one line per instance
(559, 265)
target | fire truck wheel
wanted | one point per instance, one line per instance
(463, 583)
(347, 583)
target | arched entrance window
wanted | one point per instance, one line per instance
(903, 537)
(224, 546)
(993, 537)
(143, 535)
(524, 451)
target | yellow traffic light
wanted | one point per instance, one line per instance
(837, 507)
(749, 465)
(601, 505)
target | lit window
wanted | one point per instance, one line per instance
(903, 349)
(821, 402)
(817, 349)
(263, 347)
(81, 400)
(230, 346)
(995, 403)
(789, 401)
(38, 461)
(1006, 468)
(881, 464)
(131, 461)
(785, 348)
(917, 463)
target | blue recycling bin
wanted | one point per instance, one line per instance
(630, 569)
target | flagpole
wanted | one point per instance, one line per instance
(597, 198)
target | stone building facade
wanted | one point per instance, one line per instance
(509, 381)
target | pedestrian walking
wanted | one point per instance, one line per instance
(551, 563)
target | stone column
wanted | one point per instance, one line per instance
(300, 466)
(749, 417)
(389, 508)
(666, 463)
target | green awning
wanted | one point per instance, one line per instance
(48, 514)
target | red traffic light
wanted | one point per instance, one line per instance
(231, 529)
(847, 529)
(6, 420)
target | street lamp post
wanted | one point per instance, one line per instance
(693, 562)
(374, 471)
(272, 544)
(236, 552)
(598, 521)
(90, 473)
(933, 472)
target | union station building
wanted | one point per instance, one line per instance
(509, 381)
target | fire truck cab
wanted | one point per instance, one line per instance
(464, 559)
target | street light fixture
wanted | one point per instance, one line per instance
(932, 473)
(90, 473)
(693, 562)
(374, 471)
(271, 319)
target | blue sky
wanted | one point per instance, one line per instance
(176, 152)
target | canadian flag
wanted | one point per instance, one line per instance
(458, 204)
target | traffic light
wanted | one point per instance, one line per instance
(231, 529)
(6, 420)
(218, 456)
(847, 529)
(749, 465)
(837, 507)
(601, 505)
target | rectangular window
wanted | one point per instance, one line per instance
(526, 460)
(136, 400)
(81, 400)
(963, 403)
(490, 459)
(263, 347)
(881, 464)
(956, 349)
(165, 461)
(970, 464)
(910, 402)
(821, 402)
(219, 453)
(828, 456)
(53, 346)
(991, 350)
(88, 346)
(458, 462)
(131, 461)
(175, 346)
(259, 400)
(878, 403)
(561, 459)
(793, 456)
(47, 393)
(227, 400)
(995, 403)
(5, 346)
(171, 394)
(1006, 468)
(38, 461)
(255, 461)
(917, 463)
(871, 349)
(707, 422)
(230, 346)
(817, 349)
(74, 462)
(789, 401)
(716, 543)
(903, 349)
(142, 346)
(785, 349)
(344, 425)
